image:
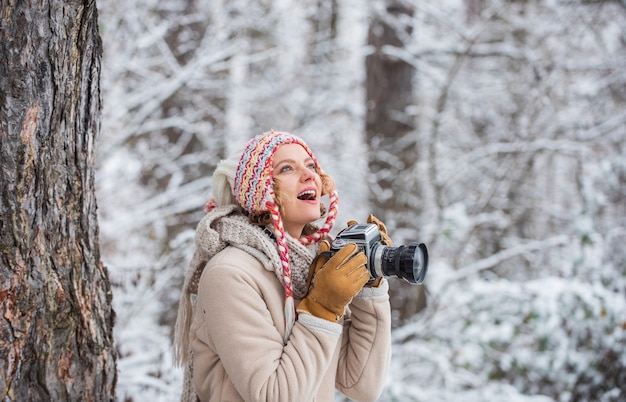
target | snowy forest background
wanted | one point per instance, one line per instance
(517, 125)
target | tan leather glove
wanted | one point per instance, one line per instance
(384, 236)
(335, 283)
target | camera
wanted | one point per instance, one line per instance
(409, 262)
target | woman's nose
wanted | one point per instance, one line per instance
(307, 174)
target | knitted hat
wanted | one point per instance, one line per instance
(253, 190)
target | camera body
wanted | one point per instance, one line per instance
(409, 262)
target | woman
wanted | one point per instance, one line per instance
(274, 316)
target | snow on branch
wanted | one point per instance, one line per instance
(497, 258)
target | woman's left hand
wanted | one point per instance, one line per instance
(384, 236)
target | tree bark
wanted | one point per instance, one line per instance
(56, 339)
(391, 138)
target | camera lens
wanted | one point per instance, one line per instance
(408, 262)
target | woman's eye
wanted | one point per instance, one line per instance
(312, 166)
(285, 168)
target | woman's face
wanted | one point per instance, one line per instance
(300, 187)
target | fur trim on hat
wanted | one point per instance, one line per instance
(223, 181)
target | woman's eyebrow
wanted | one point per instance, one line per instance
(280, 162)
(289, 160)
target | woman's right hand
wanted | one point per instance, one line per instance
(339, 279)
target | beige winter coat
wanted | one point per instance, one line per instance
(237, 340)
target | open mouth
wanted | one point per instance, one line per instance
(307, 195)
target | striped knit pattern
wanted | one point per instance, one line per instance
(253, 191)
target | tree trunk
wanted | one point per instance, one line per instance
(56, 339)
(391, 137)
(389, 89)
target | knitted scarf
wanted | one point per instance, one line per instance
(225, 226)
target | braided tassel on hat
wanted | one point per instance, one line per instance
(283, 251)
